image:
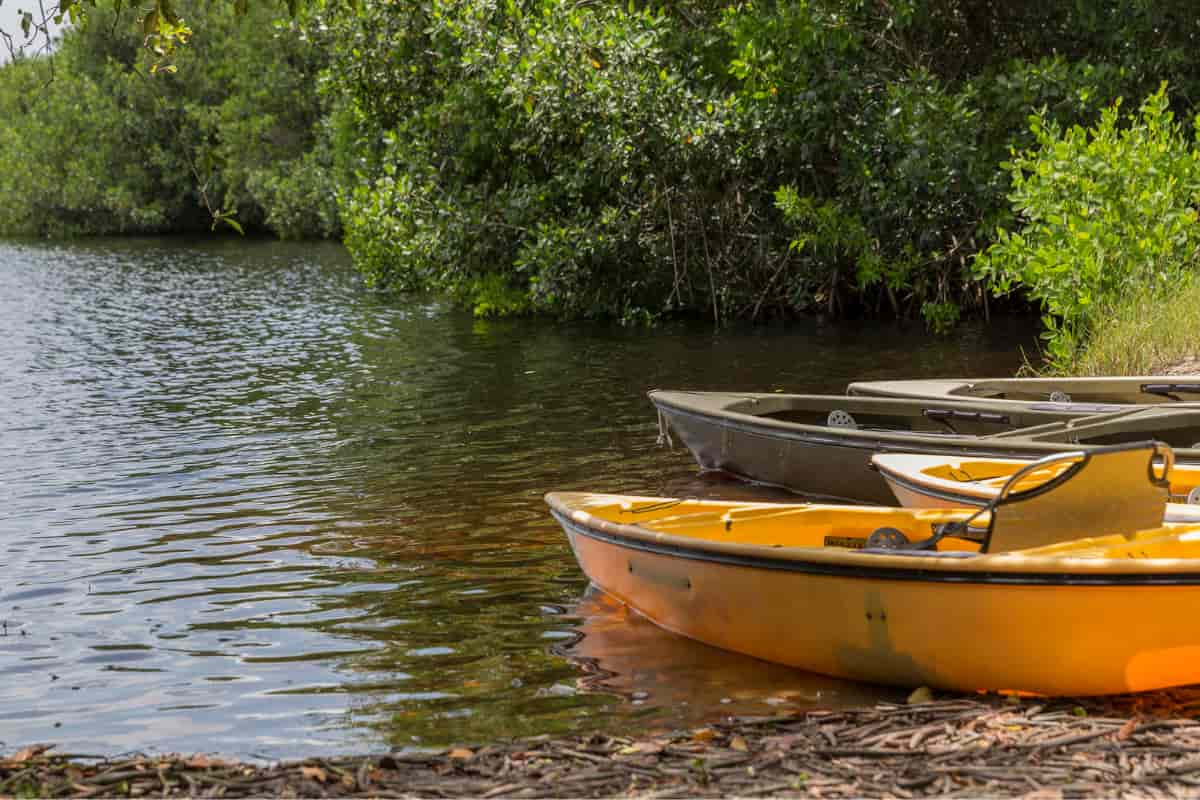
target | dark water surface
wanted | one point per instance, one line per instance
(249, 507)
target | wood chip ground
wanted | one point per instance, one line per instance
(1136, 746)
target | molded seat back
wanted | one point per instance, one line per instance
(1110, 490)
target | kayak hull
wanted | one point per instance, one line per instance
(1041, 630)
(817, 466)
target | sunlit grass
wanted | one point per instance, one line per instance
(1147, 332)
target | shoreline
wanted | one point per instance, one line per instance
(987, 744)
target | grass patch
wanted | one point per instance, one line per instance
(1145, 332)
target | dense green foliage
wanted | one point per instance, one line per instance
(590, 157)
(1107, 212)
(93, 143)
(733, 160)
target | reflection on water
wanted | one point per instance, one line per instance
(680, 682)
(252, 508)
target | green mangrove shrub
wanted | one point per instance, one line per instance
(550, 146)
(1102, 211)
(736, 161)
(93, 142)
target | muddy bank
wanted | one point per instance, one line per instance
(1187, 366)
(1143, 744)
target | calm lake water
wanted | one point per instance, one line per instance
(250, 507)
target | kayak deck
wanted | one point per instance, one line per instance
(775, 525)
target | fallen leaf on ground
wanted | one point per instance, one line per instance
(785, 742)
(738, 743)
(33, 751)
(461, 753)
(316, 773)
(1127, 729)
(922, 694)
(1045, 793)
(703, 734)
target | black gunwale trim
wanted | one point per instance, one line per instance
(882, 572)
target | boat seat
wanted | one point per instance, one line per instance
(1119, 489)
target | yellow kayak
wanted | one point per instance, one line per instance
(1071, 587)
(929, 481)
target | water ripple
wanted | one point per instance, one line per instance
(253, 508)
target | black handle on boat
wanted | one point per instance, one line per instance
(1169, 389)
(1006, 490)
(943, 414)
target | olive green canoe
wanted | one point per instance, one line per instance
(821, 445)
(1134, 390)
